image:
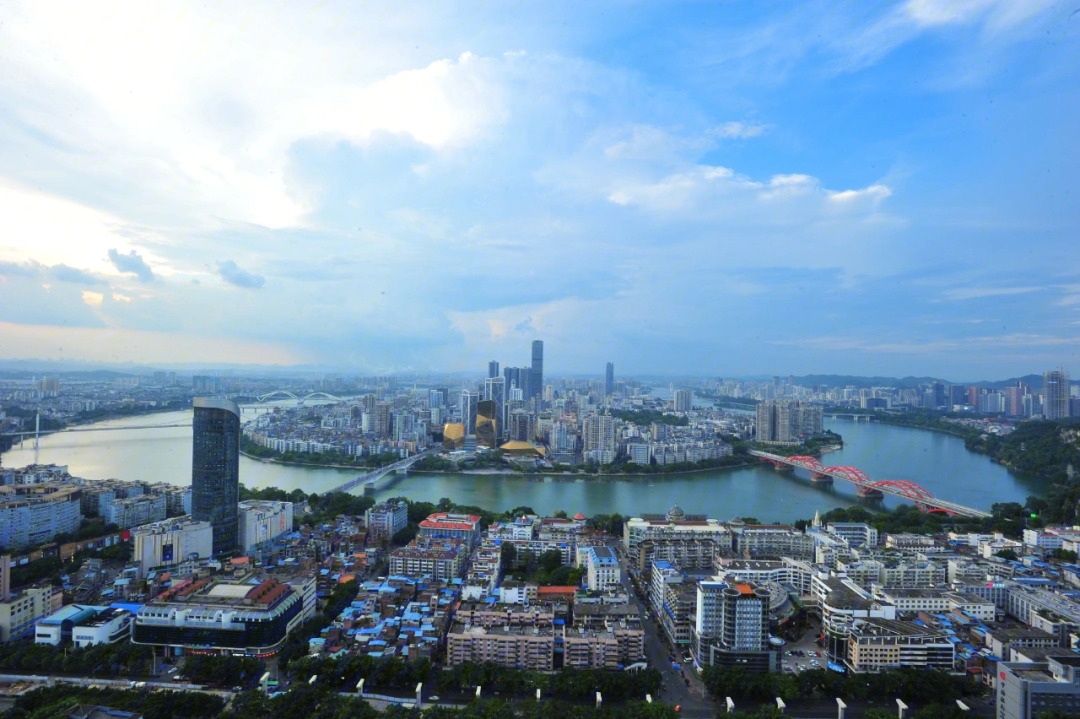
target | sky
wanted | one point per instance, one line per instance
(709, 188)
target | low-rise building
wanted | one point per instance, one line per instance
(253, 619)
(171, 542)
(1024, 691)
(601, 566)
(261, 522)
(386, 519)
(877, 644)
(935, 600)
(521, 640)
(437, 560)
(85, 626)
(855, 532)
(772, 540)
(444, 525)
(35, 513)
(21, 611)
(131, 512)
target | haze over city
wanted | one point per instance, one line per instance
(717, 189)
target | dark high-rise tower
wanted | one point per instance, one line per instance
(609, 380)
(493, 369)
(536, 378)
(215, 469)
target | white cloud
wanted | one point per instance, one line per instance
(95, 344)
(54, 231)
(872, 194)
(970, 293)
(739, 130)
(204, 105)
(714, 190)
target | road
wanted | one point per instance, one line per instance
(673, 689)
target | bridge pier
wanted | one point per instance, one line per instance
(821, 479)
(369, 487)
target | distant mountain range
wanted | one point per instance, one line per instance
(72, 369)
(1034, 381)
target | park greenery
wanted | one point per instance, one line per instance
(57, 701)
(322, 508)
(546, 570)
(222, 671)
(649, 416)
(909, 684)
(433, 463)
(53, 569)
(122, 659)
(1043, 448)
(568, 684)
(1009, 518)
(320, 702)
(379, 673)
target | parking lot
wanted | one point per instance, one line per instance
(805, 653)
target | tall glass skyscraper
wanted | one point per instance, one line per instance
(536, 377)
(609, 379)
(215, 469)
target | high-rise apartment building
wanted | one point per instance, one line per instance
(215, 469)
(382, 418)
(1056, 391)
(731, 625)
(684, 400)
(788, 420)
(435, 398)
(493, 368)
(599, 432)
(609, 380)
(536, 379)
(1014, 399)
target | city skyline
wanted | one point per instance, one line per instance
(827, 186)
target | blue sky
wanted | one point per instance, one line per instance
(692, 188)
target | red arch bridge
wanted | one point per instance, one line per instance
(868, 487)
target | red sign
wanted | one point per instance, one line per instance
(1003, 676)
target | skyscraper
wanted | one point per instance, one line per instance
(684, 400)
(495, 391)
(1056, 390)
(487, 423)
(215, 469)
(493, 368)
(609, 380)
(519, 378)
(469, 399)
(536, 378)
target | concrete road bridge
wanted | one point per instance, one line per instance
(367, 481)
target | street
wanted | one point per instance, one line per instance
(674, 690)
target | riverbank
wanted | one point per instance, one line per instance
(573, 475)
(287, 463)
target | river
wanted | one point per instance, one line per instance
(938, 462)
